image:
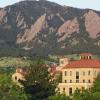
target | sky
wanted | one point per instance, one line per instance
(92, 4)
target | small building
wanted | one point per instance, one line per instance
(78, 74)
(19, 75)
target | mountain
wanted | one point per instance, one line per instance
(43, 27)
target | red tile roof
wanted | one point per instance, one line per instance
(54, 70)
(84, 63)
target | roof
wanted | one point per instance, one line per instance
(83, 63)
(54, 70)
(21, 71)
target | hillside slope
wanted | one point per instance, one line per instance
(43, 27)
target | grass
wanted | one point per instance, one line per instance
(23, 62)
(13, 62)
(71, 57)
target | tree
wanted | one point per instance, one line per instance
(39, 84)
(59, 97)
(9, 90)
(96, 85)
(96, 88)
(82, 95)
(92, 94)
(96, 96)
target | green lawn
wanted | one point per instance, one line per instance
(13, 62)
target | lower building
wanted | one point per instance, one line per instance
(19, 75)
(79, 74)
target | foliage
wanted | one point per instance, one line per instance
(59, 97)
(39, 84)
(96, 96)
(13, 62)
(82, 95)
(96, 88)
(92, 94)
(9, 90)
(96, 85)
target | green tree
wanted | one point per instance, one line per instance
(9, 90)
(96, 85)
(82, 95)
(92, 94)
(96, 96)
(39, 84)
(96, 88)
(59, 97)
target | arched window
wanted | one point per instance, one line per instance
(70, 91)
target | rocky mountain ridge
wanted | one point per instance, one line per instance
(44, 27)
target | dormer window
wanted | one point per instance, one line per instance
(89, 57)
(86, 56)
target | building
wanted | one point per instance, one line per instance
(78, 74)
(55, 69)
(19, 75)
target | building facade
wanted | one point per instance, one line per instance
(19, 75)
(78, 74)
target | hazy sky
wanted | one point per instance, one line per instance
(93, 4)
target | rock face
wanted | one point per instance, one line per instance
(46, 27)
(2, 15)
(32, 33)
(68, 28)
(92, 23)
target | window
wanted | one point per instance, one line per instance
(89, 57)
(84, 57)
(65, 81)
(63, 89)
(95, 73)
(83, 73)
(70, 91)
(15, 77)
(77, 75)
(89, 81)
(62, 62)
(70, 81)
(77, 81)
(65, 73)
(89, 72)
(70, 73)
(83, 81)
